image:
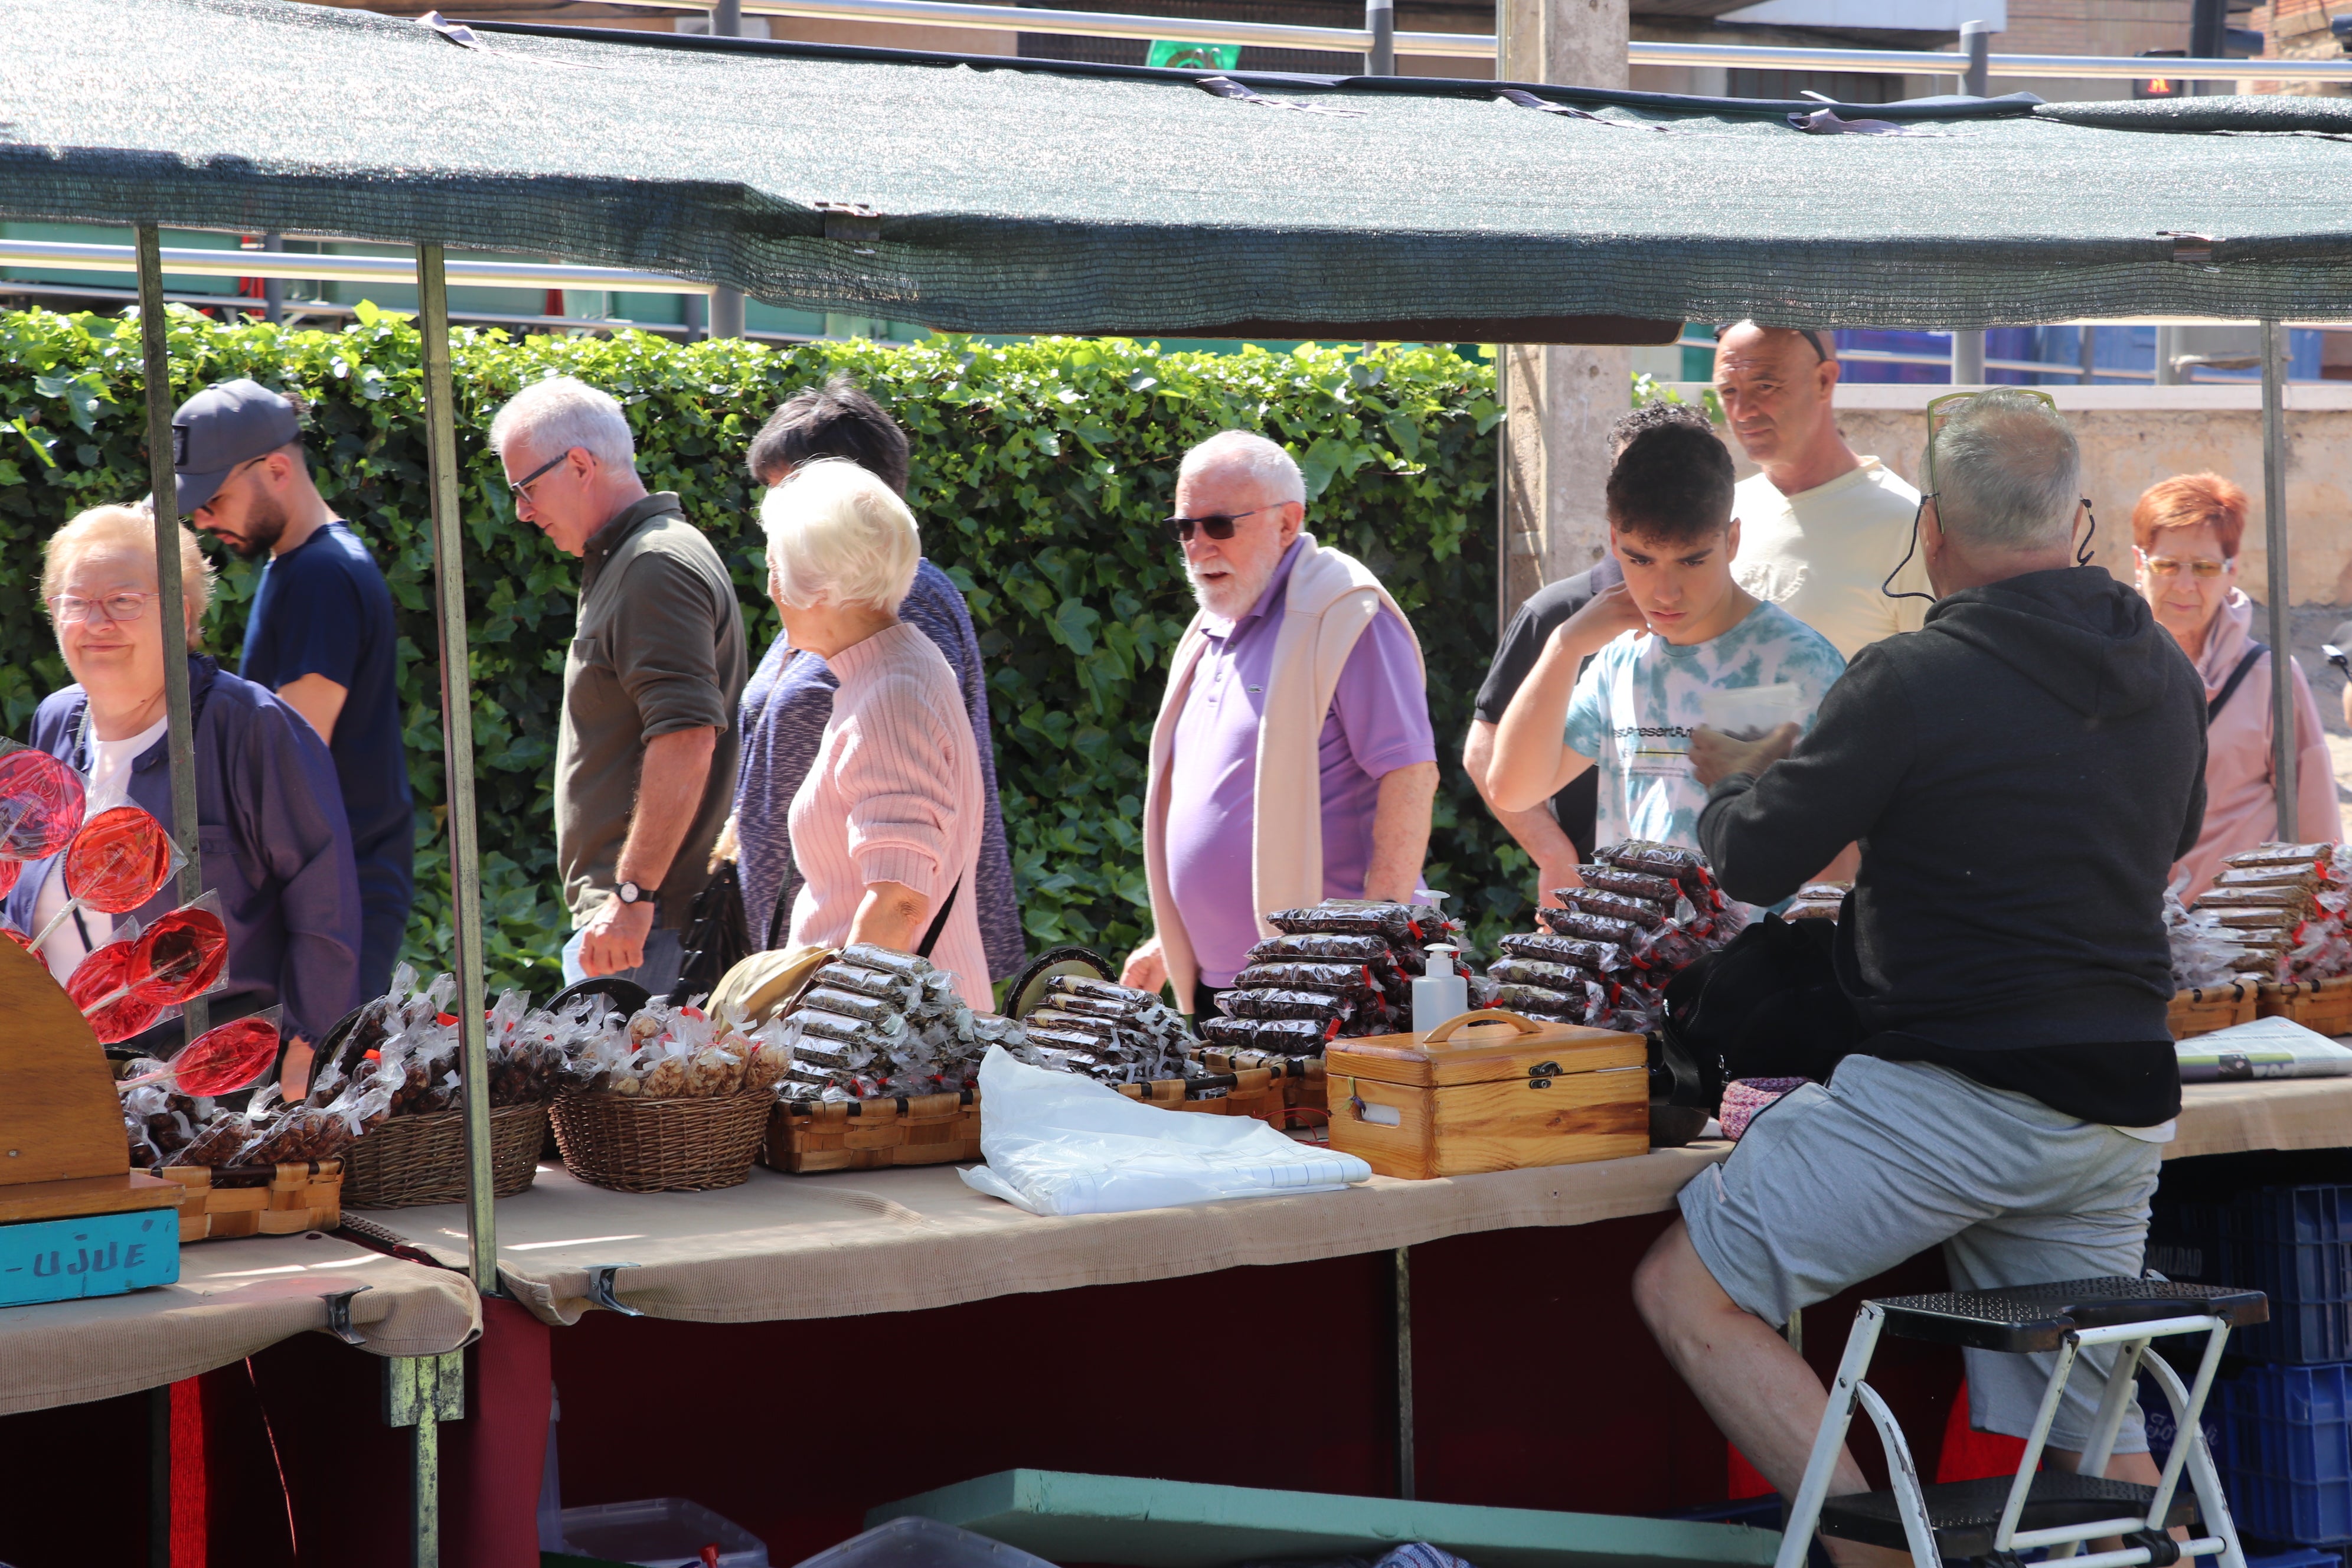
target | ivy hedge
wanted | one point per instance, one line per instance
(1040, 471)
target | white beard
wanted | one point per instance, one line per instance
(1235, 595)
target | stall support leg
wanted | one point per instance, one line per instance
(1403, 1279)
(159, 1477)
(2285, 733)
(457, 759)
(1379, 20)
(155, 344)
(420, 1393)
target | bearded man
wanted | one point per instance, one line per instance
(1292, 760)
(320, 632)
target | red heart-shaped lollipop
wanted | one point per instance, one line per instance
(226, 1059)
(178, 956)
(41, 805)
(103, 981)
(120, 859)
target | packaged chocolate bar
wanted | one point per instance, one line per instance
(1685, 866)
(2278, 896)
(866, 956)
(1067, 1023)
(2302, 873)
(1339, 979)
(1282, 1036)
(1565, 978)
(1585, 927)
(1109, 1012)
(1603, 958)
(898, 990)
(1349, 918)
(848, 1004)
(1539, 1003)
(1313, 1004)
(1099, 995)
(1617, 906)
(1605, 877)
(2283, 855)
(1330, 945)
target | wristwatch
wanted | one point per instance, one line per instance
(630, 893)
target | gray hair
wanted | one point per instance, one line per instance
(2007, 473)
(837, 534)
(560, 413)
(1256, 456)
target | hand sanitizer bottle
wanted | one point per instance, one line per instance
(1439, 994)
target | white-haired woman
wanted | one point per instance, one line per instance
(271, 831)
(886, 828)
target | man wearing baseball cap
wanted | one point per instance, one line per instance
(320, 632)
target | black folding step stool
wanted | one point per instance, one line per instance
(1994, 1521)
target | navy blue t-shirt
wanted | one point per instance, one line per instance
(322, 609)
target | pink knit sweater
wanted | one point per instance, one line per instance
(893, 796)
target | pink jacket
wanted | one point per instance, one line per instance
(2240, 806)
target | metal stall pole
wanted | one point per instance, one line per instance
(1404, 1371)
(1379, 20)
(458, 760)
(179, 723)
(420, 1393)
(726, 304)
(273, 289)
(2283, 716)
(1976, 41)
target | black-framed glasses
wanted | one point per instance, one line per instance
(522, 487)
(1217, 525)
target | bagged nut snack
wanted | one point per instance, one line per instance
(1113, 1034)
(876, 1023)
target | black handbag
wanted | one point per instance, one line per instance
(717, 937)
(1768, 1006)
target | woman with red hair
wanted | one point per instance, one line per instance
(2186, 531)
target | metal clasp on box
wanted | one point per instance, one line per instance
(1540, 1075)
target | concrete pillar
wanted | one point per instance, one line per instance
(1560, 401)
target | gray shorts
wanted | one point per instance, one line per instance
(1836, 1183)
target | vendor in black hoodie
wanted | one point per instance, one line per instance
(2021, 774)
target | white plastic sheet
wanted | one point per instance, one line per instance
(1057, 1143)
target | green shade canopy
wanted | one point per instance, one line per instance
(982, 194)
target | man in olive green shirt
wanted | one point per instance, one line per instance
(645, 766)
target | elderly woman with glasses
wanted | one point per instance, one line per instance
(270, 831)
(885, 828)
(2186, 531)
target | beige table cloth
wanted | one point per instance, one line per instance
(899, 1240)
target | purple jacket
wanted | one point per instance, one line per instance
(276, 845)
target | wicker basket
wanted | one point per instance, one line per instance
(2324, 1006)
(234, 1201)
(635, 1145)
(1253, 1091)
(1302, 1080)
(410, 1161)
(2205, 1008)
(808, 1136)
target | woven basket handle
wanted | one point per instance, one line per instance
(1446, 1031)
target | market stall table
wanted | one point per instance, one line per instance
(780, 1248)
(233, 1298)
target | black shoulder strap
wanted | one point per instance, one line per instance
(2254, 651)
(939, 922)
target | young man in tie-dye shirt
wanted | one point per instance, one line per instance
(1676, 631)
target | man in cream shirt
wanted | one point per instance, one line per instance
(1820, 529)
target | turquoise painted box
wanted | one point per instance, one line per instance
(89, 1255)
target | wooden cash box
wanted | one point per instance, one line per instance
(1488, 1090)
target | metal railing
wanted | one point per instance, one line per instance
(1481, 45)
(309, 266)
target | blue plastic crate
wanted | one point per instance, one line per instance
(2294, 1245)
(2294, 1557)
(2289, 1453)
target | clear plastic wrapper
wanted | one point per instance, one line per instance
(1686, 867)
(1540, 1002)
(900, 991)
(1055, 1018)
(1617, 906)
(1125, 1002)
(1586, 927)
(1280, 1037)
(1565, 978)
(2282, 855)
(182, 955)
(101, 987)
(866, 956)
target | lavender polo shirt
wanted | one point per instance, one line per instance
(1379, 723)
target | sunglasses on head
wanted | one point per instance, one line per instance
(1821, 353)
(1216, 525)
